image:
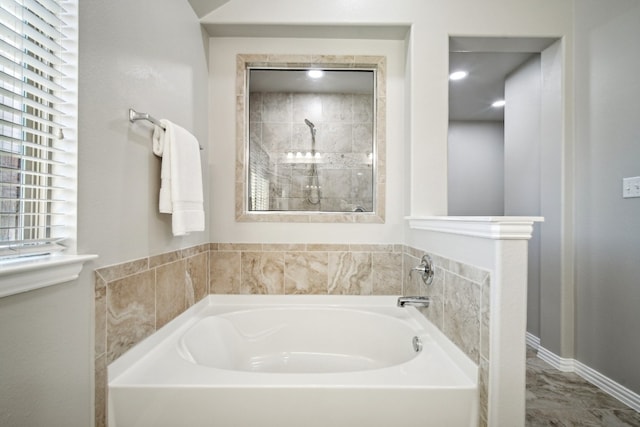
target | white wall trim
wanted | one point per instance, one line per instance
(560, 363)
(488, 227)
(604, 383)
(533, 341)
(609, 386)
(38, 272)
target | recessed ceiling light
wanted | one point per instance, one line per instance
(315, 74)
(458, 75)
(499, 103)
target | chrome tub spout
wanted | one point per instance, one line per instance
(414, 301)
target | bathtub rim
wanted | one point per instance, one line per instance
(185, 320)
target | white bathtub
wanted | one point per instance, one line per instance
(294, 361)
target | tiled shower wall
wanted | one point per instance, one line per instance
(344, 146)
(134, 299)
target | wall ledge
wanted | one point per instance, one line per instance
(487, 227)
(38, 272)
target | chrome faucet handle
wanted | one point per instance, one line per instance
(426, 269)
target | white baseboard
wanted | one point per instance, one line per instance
(606, 384)
(560, 363)
(533, 341)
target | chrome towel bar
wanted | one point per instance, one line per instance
(134, 116)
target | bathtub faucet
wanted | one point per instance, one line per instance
(415, 301)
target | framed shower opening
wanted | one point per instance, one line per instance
(309, 149)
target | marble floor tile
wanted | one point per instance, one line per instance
(564, 399)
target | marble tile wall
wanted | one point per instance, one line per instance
(306, 269)
(344, 137)
(134, 299)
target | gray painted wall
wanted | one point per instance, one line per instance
(147, 54)
(45, 356)
(607, 93)
(151, 56)
(534, 186)
(556, 305)
(522, 140)
(475, 168)
(522, 166)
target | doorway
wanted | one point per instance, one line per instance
(505, 160)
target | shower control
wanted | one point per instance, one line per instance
(426, 270)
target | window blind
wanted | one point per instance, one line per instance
(33, 155)
(258, 179)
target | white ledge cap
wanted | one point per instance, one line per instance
(24, 275)
(488, 227)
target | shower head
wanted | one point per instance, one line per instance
(312, 128)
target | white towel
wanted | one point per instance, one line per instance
(180, 177)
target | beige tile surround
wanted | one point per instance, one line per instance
(460, 308)
(135, 298)
(306, 269)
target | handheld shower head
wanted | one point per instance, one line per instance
(313, 195)
(312, 127)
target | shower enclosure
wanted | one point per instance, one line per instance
(311, 140)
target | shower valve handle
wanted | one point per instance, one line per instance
(426, 270)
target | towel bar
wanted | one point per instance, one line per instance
(135, 116)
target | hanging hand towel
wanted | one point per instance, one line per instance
(160, 149)
(180, 178)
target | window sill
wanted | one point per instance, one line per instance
(25, 275)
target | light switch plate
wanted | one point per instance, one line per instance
(631, 187)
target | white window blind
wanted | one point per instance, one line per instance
(34, 172)
(258, 179)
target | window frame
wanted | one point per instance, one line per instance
(24, 273)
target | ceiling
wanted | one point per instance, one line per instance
(204, 7)
(488, 60)
(471, 97)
